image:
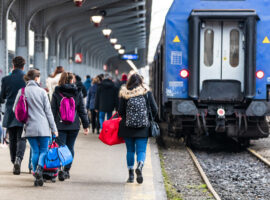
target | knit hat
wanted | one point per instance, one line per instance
(124, 77)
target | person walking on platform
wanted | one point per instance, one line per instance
(87, 83)
(106, 99)
(80, 85)
(90, 104)
(68, 131)
(135, 104)
(53, 80)
(123, 81)
(9, 89)
(40, 122)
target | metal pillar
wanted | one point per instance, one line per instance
(22, 33)
(63, 61)
(52, 58)
(39, 57)
(4, 12)
(39, 53)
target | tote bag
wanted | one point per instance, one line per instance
(109, 133)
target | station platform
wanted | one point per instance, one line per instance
(99, 172)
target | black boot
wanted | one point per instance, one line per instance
(67, 176)
(17, 166)
(139, 173)
(63, 174)
(131, 176)
(39, 176)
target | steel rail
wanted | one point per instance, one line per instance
(203, 175)
(257, 155)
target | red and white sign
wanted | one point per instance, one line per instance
(78, 58)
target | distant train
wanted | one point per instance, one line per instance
(211, 73)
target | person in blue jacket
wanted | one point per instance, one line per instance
(87, 82)
(90, 105)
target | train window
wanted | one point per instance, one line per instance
(208, 47)
(234, 48)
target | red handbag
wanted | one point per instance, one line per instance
(109, 133)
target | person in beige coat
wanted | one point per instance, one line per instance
(53, 80)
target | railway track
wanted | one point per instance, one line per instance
(246, 175)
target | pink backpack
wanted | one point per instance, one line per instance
(21, 109)
(67, 109)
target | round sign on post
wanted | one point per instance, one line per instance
(78, 58)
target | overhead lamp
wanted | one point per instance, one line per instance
(117, 46)
(96, 19)
(79, 3)
(121, 51)
(107, 32)
(113, 40)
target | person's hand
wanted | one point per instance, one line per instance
(86, 131)
(55, 134)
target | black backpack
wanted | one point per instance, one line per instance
(136, 113)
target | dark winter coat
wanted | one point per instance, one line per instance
(125, 95)
(69, 90)
(87, 84)
(10, 86)
(91, 97)
(106, 97)
(82, 88)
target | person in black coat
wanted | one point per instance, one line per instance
(81, 86)
(135, 138)
(106, 99)
(11, 84)
(69, 132)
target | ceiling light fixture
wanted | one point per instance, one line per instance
(79, 3)
(107, 32)
(113, 40)
(117, 46)
(96, 19)
(121, 51)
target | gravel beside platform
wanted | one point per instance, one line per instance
(236, 176)
(262, 146)
(183, 174)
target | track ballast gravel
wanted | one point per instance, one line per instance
(183, 174)
(236, 176)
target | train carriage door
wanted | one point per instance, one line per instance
(210, 51)
(233, 52)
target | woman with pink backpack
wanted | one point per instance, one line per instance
(32, 107)
(68, 108)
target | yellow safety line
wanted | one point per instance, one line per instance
(267, 162)
(204, 177)
(146, 190)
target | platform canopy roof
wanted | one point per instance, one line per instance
(63, 21)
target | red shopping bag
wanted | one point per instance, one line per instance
(109, 133)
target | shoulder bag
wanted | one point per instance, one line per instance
(154, 128)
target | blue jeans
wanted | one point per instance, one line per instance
(68, 138)
(102, 117)
(135, 144)
(39, 148)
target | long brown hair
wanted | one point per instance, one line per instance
(66, 78)
(32, 75)
(58, 70)
(96, 80)
(135, 80)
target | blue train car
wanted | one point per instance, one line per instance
(211, 70)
